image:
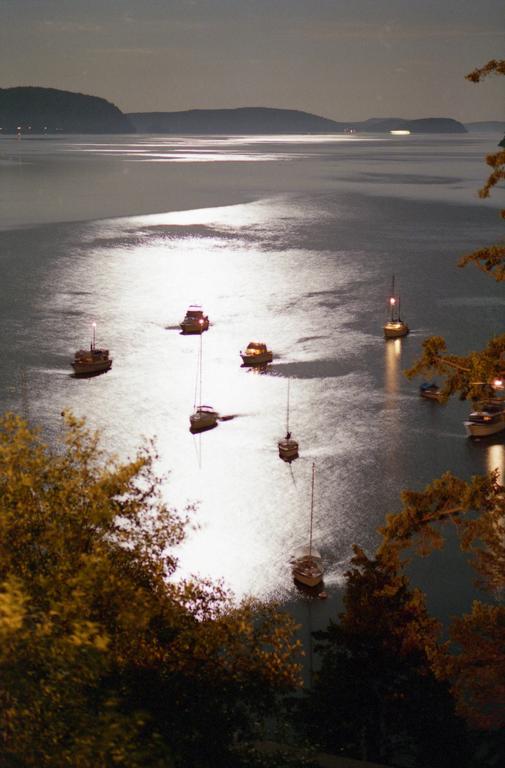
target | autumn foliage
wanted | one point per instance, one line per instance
(106, 657)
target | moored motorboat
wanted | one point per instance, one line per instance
(395, 327)
(256, 353)
(487, 420)
(430, 391)
(92, 361)
(195, 321)
(307, 564)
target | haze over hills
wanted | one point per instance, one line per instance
(48, 110)
(487, 126)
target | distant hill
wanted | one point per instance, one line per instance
(47, 110)
(241, 120)
(421, 125)
(487, 126)
(268, 120)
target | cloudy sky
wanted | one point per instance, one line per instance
(344, 59)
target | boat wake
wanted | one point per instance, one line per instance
(229, 416)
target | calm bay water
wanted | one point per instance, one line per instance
(287, 240)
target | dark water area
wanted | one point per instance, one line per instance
(288, 242)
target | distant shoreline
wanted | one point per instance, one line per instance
(28, 109)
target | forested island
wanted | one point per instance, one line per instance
(48, 111)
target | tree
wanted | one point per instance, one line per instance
(474, 659)
(106, 659)
(472, 375)
(386, 676)
(376, 696)
(476, 662)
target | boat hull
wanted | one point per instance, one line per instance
(478, 429)
(250, 360)
(395, 329)
(288, 449)
(194, 328)
(308, 571)
(91, 369)
(200, 421)
(431, 392)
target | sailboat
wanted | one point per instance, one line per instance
(288, 447)
(203, 416)
(395, 327)
(307, 565)
(90, 362)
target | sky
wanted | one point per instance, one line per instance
(342, 59)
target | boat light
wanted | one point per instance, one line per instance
(497, 384)
(392, 301)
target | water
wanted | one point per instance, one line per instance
(291, 241)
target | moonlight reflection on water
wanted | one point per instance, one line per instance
(296, 251)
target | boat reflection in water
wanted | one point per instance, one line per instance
(92, 361)
(495, 456)
(392, 361)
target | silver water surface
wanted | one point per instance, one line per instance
(290, 242)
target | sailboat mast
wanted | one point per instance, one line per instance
(93, 338)
(198, 381)
(201, 362)
(311, 508)
(287, 413)
(392, 299)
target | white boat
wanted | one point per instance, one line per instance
(488, 420)
(256, 353)
(395, 327)
(195, 321)
(307, 564)
(204, 416)
(288, 446)
(92, 361)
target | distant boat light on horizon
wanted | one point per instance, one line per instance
(402, 132)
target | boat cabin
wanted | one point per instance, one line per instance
(255, 348)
